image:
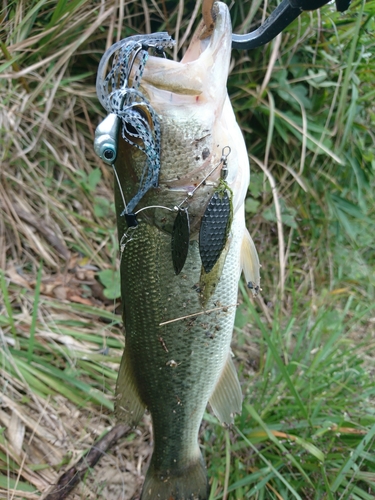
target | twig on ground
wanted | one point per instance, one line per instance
(70, 479)
(44, 230)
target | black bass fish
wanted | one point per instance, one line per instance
(182, 174)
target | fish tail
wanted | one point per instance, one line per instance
(189, 483)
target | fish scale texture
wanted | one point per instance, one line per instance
(178, 364)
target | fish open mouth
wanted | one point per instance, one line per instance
(204, 62)
(222, 34)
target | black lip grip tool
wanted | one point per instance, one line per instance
(286, 12)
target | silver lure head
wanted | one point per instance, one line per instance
(106, 137)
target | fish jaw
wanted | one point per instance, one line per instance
(190, 95)
(197, 122)
(202, 72)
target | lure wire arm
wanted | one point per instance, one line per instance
(222, 162)
(285, 13)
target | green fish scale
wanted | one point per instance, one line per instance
(177, 364)
(182, 142)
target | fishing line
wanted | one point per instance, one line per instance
(123, 237)
(155, 206)
(120, 188)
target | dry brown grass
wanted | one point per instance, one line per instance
(60, 350)
(49, 212)
(56, 207)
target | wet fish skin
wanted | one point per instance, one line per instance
(173, 368)
(175, 378)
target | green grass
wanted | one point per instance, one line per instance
(305, 349)
(308, 425)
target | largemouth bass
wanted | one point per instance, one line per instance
(182, 174)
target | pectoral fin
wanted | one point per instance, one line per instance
(250, 263)
(227, 396)
(128, 406)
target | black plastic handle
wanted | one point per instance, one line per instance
(286, 12)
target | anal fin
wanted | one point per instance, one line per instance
(129, 407)
(250, 263)
(227, 396)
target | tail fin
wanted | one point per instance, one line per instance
(186, 484)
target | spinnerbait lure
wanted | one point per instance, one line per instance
(214, 225)
(129, 107)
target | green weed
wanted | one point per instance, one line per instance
(304, 348)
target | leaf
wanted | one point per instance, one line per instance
(317, 77)
(287, 214)
(8, 483)
(242, 316)
(111, 282)
(94, 178)
(349, 208)
(251, 205)
(350, 463)
(103, 207)
(257, 185)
